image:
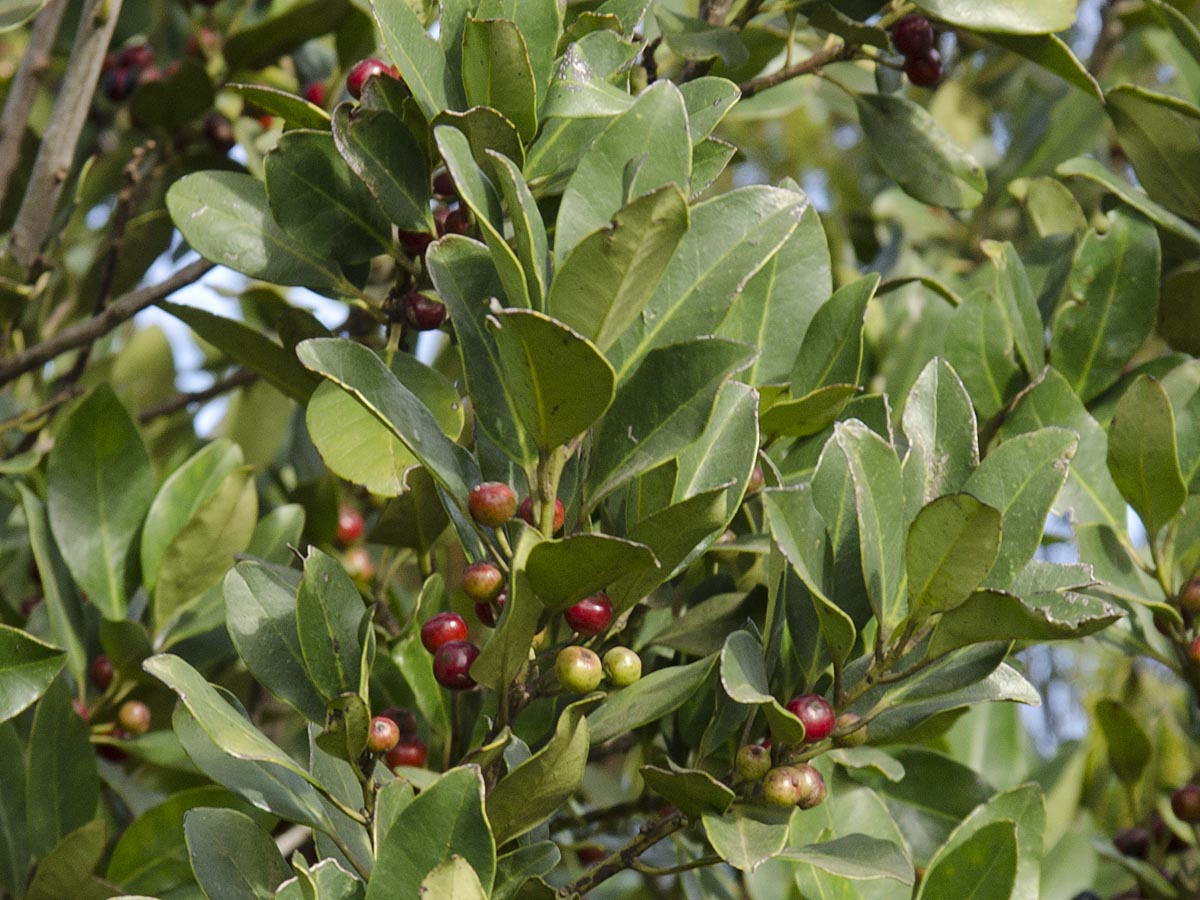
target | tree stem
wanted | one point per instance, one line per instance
(649, 835)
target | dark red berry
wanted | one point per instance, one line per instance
(452, 665)
(29, 604)
(913, 36)
(315, 93)
(138, 56)
(483, 581)
(591, 615)
(423, 312)
(1185, 803)
(526, 512)
(134, 716)
(1134, 842)
(924, 71)
(219, 132)
(410, 752)
(816, 714)
(414, 243)
(1194, 651)
(404, 719)
(442, 629)
(812, 786)
(101, 672)
(489, 613)
(349, 524)
(590, 854)
(203, 42)
(492, 503)
(112, 752)
(382, 734)
(1189, 597)
(119, 83)
(365, 70)
(456, 221)
(757, 479)
(443, 185)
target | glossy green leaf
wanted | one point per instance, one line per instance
(420, 59)
(276, 533)
(979, 347)
(912, 148)
(833, 344)
(506, 655)
(952, 545)
(344, 736)
(329, 616)
(15, 13)
(983, 867)
(642, 149)
(563, 572)
(515, 868)
(1110, 305)
(1015, 16)
(579, 91)
(62, 787)
(537, 788)
(445, 819)
(27, 667)
(497, 72)
(1019, 305)
(943, 446)
(296, 112)
(609, 276)
(743, 669)
(1183, 389)
(833, 497)
(1143, 456)
(262, 43)
(225, 217)
(67, 870)
(559, 381)
(648, 699)
(1026, 808)
(658, 409)
(693, 38)
(1090, 169)
(352, 847)
(726, 452)
(1161, 136)
(1052, 209)
(384, 154)
(14, 838)
(99, 487)
(485, 130)
(855, 856)
(990, 615)
(708, 99)
(232, 857)
(359, 371)
(453, 878)
(810, 414)
(529, 231)
(540, 22)
(330, 881)
(748, 836)
(692, 791)
(1053, 54)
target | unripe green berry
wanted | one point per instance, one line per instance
(578, 669)
(847, 732)
(134, 716)
(753, 761)
(622, 666)
(782, 787)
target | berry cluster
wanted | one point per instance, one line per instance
(132, 719)
(393, 733)
(913, 37)
(123, 72)
(1154, 841)
(445, 636)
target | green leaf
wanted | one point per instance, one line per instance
(1052, 209)
(344, 737)
(732, 237)
(559, 381)
(537, 788)
(276, 533)
(62, 788)
(296, 112)
(1021, 478)
(486, 130)
(540, 22)
(984, 867)
(225, 217)
(951, 547)
(329, 617)
(990, 615)
(563, 572)
(444, 820)
(1183, 388)
(453, 878)
(506, 655)
(67, 869)
(1128, 745)
(359, 371)
(415, 519)
(1026, 808)
(385, 155)
(99, 486)
(515, 868)
(27, 667)
(743, 670)
(15, 13)
(943, 445)
(465, 275)
(1015, 16)
(329, 880)
(232, 856)
(642, 149)
(1161, 136)
(648, 699)
(693, 38)
(579, 91)
(708, 99)
(658, 409)
(529, 231)
(726, 452)
(810, 414)
(1053, 54)
(14, 838)
(833, 344)
(1110, 306)
(497, 72)
(1016, 298)
(274, 36)
(1143, 456)
(979, 347)
(855, 856)
(912, 148)
(609, 276)
(692, 791)
(748, 836)
(420, 59)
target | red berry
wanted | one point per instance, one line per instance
(137, 56)
(578, 669)
(119, 83)
(101, 672)
(924, 71)
(457, 221)
(358, 564)
(590, 854)
(112, 752)
(782, 786)
(452, 665)
(414, 242)
(492, 503)
(1189, 597)
(404, 719)
(913, 36)
(591, 615)
(812, 786)
(483, 581)
(81, 709)
(816, 714)
(411, 752)
(365, 70)
(382, 734)
(203, 42)
(1133, 842)
(526, 512)
(757, 479)
(423, 312)
(1185, 803)
(266, 121)
(219, 132)
(488, 613)
(442, 629)
(1194, 651)
(315, 93)
(134, 716)
(349, 524)
(443, 185)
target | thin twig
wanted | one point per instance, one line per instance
(649, 835)
(52, 167)
(86, 332)
(814, 63)
(23, 91)
(238, 379)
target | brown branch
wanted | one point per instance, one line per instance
(238, 379)
(650, 834)
(52, 167)
(84, 333)
(749, 11)
(23, 91)
(819, 60)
